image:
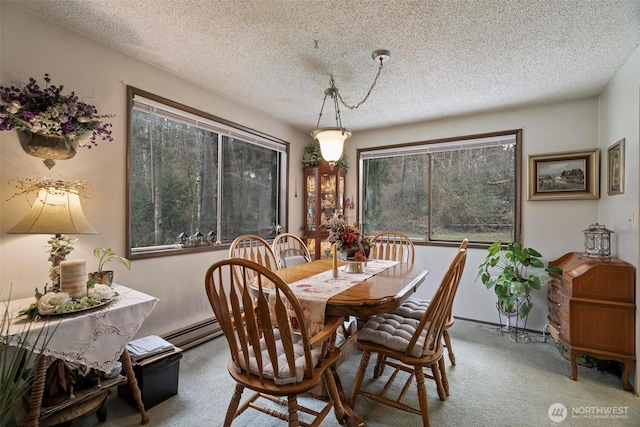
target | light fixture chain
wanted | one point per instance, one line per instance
(353, 107)
(321, 109)
(337, 107)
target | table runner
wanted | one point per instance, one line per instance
(314, 291)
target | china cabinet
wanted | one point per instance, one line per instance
(323, 198)
(592, 310)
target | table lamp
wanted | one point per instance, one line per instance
(57, 210)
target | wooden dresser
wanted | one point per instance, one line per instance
(592, 310)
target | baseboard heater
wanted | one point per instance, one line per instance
(194, 334)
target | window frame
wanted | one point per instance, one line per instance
(517, 215)
(236, 131)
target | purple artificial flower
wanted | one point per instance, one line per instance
(47, 111)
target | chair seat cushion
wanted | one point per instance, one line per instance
(413, 308)
(394, 332)
(285, 376)
(291, 261)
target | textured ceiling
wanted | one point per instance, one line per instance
(448, 57)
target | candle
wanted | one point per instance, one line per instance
(334, 254)
(73, 277)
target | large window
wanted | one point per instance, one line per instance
(444, 190)
(195, 180)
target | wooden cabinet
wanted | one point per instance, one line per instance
(323, 198)
(592, 310)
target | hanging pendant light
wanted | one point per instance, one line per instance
(331, 139)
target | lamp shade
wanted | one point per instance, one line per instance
(55, 211)
(331, 141)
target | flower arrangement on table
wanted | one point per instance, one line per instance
(47, 111)
(348, 238)
(52, 302)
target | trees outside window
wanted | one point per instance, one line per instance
(192, 174)
(445, 190)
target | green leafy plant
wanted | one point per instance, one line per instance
(106, 255)
(513, 271)
(20, 350)
(311, 156)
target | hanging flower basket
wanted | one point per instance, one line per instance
(48, 147)
(50, 124)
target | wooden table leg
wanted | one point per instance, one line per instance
(37, 390)
(133, 383)
(352, 419)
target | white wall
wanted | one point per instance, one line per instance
(551, 227)
(30, 47)
(620, 118)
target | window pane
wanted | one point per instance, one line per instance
(249, 190)
(444, 190)
(473, 194)
(396, 195)
(174, 180)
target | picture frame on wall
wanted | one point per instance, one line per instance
(615, 168)
(562, 176)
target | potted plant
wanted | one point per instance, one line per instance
(513, 271)
(106, 255)
(20, 351)
(50, 125)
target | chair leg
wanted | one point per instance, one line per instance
(380, 364)
(233, 405)
(292, 403)
(422, 396)
(334, 394)
(435, 369)
(447, 342)
(443, 375)
(357, 381)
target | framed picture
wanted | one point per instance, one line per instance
(568, 175)
(615, 168)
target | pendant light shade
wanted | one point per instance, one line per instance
(331, 141)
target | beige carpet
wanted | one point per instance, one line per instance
(497, 382)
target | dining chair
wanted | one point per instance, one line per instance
(410, 345)
(414, 307)
(290, 250)
(276, 362)
(253, 248)
(392, 245)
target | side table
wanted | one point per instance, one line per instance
(95, 339)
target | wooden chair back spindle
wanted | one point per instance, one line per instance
(392, 245)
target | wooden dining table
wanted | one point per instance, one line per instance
(380, 293)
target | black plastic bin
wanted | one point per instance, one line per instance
(157, 380)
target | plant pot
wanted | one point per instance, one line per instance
(104, 277)
(48, 147)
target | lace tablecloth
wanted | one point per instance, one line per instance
(94, 338)
(314, 291)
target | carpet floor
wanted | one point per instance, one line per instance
(496, 382)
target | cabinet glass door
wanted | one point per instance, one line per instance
(311, 202)
(328, 196)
